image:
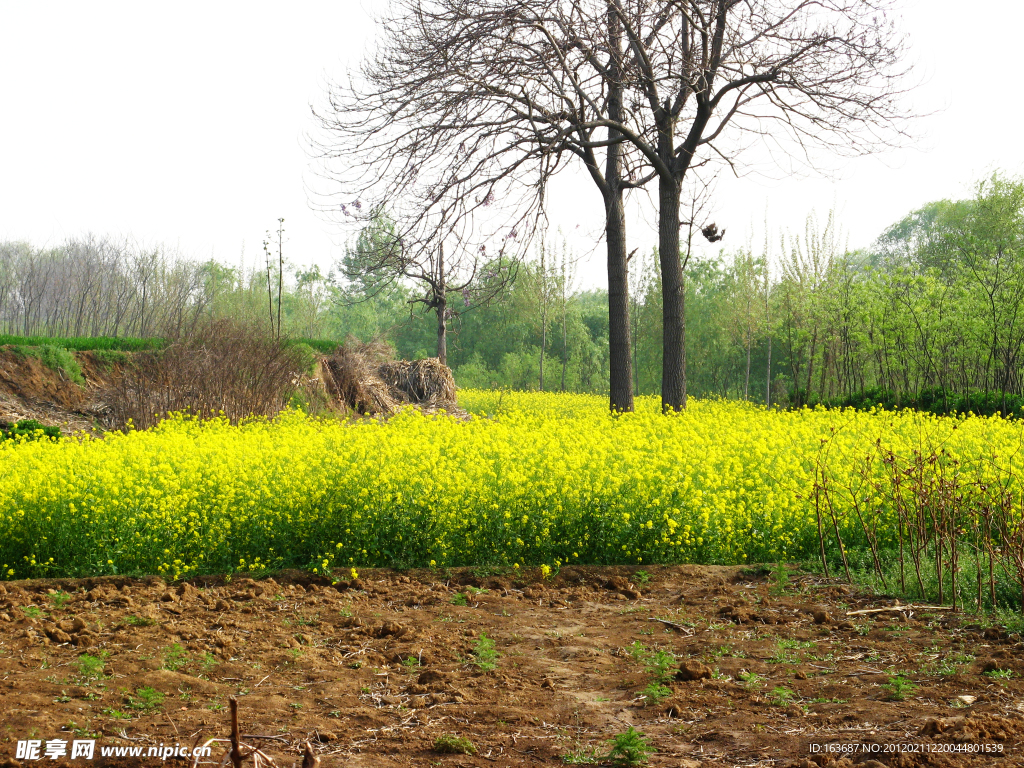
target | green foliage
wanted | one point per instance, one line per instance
(27, 429)
(175, 658)
(655, 692)
(308, 356)
(899, 688)
(629, 749)
(454, 745)
(60, 359)
(91, 667)
(84, 343)
(782, 696)
(110, 358)
(485, 654)
(146, 699)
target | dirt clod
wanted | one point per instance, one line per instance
(694, 670)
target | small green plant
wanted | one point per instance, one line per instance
(780, 579)
(80, 732)
(485, 653)
(208, 662)
(629, 748)
(175, 658)
(659, 663)
(641, 577)
(750, 679)
(782, 696)
(59, 599)
(146, 699)
(459, 599)
(656, 692)
(784, 653)
(454, 745)
(411, 663)
(899, 688)
(32, 611)
(117, 714)
(1000, 674)
(580, 756)
(139, 621)
(638, 650)
(346, 612)
(91, 667)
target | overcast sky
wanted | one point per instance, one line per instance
(183, 124)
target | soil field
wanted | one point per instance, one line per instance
(715, 666)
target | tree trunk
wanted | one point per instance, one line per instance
(673, 372)
(620, 362)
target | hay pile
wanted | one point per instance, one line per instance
(366, 378)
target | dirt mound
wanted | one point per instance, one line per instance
(31, 390)
(368, 380)
(532, 670)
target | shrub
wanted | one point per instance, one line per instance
(225, 368)
(27, 429)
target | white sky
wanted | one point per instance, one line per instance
(184, 125)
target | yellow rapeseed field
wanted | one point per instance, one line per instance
(531, 479)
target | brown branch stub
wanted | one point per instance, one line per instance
(309, 759)
(236, 753)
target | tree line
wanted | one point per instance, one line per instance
(929, 315)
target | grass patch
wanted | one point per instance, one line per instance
(454, 745)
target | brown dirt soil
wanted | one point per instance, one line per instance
(30, 390)
(372, 672)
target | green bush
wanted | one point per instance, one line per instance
(27, 429)
(59, 359)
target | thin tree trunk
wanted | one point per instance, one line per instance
(441, 297)
(280, 273)
(543, 311)
(442, 332)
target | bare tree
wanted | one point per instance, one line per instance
(472, 102)
(382, 258)
(820, 72)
